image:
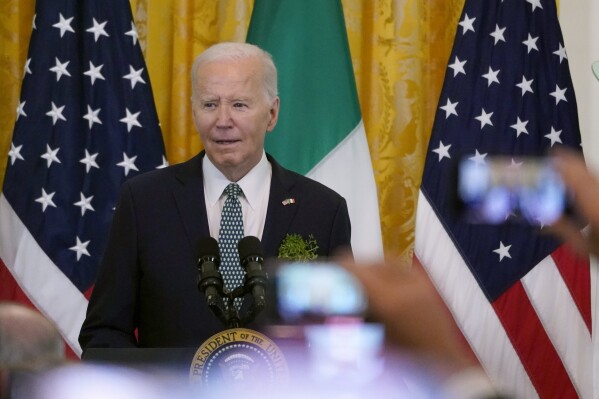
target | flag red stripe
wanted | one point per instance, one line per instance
(88, 293)
(9, 288)
(531, 342)
(575, 270)
(10, 291)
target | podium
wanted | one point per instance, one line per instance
(232, 356)
(347, 350)
(176, 359)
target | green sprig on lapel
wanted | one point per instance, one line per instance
(295, 247)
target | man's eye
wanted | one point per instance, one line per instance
(209, 105)
(239, 105)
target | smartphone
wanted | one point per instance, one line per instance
(314, 291)
(504, 190)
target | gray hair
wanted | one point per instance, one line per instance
(227, 51)
(27, 339)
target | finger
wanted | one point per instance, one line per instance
(592, 241)
(579, 181)
(569, 232)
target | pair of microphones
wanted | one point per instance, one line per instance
(210, 281)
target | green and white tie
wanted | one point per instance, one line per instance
(231, 231)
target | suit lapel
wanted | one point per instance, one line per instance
(191, 204)
(189, 197)
(278, 215)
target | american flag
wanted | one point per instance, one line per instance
(521, 300)
(86, 121)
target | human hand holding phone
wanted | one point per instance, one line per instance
(584, 187)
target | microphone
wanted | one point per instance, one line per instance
(250, 253)
(210, 281)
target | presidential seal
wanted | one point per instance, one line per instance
(239, 358)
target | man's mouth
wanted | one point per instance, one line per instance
(226, 142)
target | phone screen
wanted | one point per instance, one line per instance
(501, 190)
(317, 290)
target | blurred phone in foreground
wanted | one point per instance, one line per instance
(327, 303)
(503, 191)
(308, 292)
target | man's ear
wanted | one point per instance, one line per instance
(194, 117)
(274, 114)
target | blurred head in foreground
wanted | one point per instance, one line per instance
(28, 343)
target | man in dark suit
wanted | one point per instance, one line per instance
(147, 279)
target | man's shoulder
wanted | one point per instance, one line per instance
(296, 182)
(306, 183)
(189, 169)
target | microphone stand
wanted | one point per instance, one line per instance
(221, 301)
(233, 320)
(215, 301)
(255, 278)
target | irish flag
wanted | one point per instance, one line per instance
(320, 132)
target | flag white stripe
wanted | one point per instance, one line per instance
(472, 311)
(44, 284)
(347, 169)
(563, 323)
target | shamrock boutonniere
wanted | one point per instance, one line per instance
(295, 247)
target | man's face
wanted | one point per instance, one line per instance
(232, 114)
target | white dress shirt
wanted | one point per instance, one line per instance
(254, 201)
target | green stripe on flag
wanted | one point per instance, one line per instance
(319, 102)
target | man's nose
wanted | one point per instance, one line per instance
(224, 116)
